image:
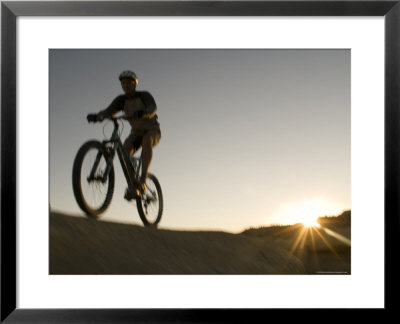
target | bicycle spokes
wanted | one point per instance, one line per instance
(150, 204)
(93, 185)
(95, 166)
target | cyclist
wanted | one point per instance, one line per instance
(141, 109)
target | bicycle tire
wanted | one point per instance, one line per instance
(140, 202)
(77, 185)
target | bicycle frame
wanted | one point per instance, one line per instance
(123, 156)
(94, 194)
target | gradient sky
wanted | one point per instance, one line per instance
(249, 137)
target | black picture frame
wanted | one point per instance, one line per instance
(10, 10)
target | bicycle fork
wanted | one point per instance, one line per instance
(103, 178)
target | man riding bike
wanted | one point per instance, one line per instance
(140, 108)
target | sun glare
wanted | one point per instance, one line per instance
(306, 212)
(311, 223)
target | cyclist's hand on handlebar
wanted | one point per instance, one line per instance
(92, 118)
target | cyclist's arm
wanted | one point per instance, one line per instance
(115, 106)
(150, 104)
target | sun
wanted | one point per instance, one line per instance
(307, 216)
(310, 223)
(306, 212)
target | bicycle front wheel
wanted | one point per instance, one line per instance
(93, 188)
(150, 204)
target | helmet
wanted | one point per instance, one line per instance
(130, 75)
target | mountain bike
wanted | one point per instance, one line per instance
(93, 178)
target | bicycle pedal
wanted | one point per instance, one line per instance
(128, 195)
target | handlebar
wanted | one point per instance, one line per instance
(94, 118)
(116, 119)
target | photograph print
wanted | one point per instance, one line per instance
(199, 161)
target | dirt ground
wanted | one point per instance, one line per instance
(85, 246)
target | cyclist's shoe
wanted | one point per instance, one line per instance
(138, 192)
(129, 195)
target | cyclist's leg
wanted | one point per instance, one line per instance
(150, 139)
(128, 145)
(131, 145)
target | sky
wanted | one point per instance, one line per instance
(249, 137)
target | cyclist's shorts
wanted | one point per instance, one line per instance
(136, 140)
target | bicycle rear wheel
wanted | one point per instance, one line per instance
(93, 191)
(150, 204)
